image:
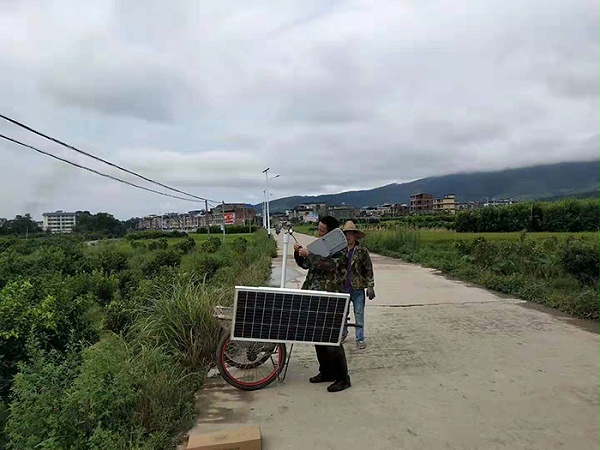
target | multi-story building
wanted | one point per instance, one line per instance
(421, 203)
(59, 221)
(445, 205)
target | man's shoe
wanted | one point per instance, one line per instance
(320, 378)
(339, 385)
(361, 345)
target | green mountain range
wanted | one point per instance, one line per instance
(548, 182)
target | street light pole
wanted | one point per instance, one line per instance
(266, 172)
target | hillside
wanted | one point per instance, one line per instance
(551, 181)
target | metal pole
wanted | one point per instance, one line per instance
(286, 241)
(268, 211)
(207, 218)
(223, 207)
(264, 209)
(266, 172)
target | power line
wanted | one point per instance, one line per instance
(97, 158)
(95, 171)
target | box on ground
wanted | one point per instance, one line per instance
(243, 438)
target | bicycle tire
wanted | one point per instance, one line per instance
(230, 378)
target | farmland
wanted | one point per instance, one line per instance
(556, 269)
(559, 270)
(104, 345)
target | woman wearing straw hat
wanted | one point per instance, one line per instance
(359, 276)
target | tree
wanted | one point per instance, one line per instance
(101, 223)
(20, 225)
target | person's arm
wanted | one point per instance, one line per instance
(368, 270)
(367, 266)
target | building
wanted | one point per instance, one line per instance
(340, 212)
(421, 203)
(400, 209)
(445, 205)
(499, 202)
(462, 206)
(59, 221)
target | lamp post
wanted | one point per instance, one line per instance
(268, 212)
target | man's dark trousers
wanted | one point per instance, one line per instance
(332, 362)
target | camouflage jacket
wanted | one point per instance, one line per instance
(361, 268)
(324, 274)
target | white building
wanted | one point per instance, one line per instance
(59, 221)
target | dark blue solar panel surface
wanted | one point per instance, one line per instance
(286, 317)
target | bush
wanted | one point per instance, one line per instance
(186, 245)
(159, 244)
(119, 397)
(211, 245)
(155, 234)
(569, 215)
(45, 316)
(240, 245)
(229, 229)
(582, 261)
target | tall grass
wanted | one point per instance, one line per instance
(180, 317)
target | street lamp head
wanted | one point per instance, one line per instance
(266, 170)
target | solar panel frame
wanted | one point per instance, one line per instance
(304, 293)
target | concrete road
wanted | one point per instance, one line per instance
(447, 366)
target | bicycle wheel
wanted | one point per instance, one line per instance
(246, 373)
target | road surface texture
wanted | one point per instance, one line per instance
(447, 366)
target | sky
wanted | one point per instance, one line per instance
(331, 95)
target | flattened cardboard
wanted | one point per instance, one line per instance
(242, 438)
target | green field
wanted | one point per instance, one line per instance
(559, 270)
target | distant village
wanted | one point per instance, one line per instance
(421, 203)
(244, 214)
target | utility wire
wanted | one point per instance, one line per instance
(95, 171)
(97, 158)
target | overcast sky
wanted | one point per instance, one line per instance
(333, 95)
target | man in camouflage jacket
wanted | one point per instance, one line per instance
(326, 274)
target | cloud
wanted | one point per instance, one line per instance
(329, 94)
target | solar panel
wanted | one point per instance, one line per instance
(331, 243)
(288, 315)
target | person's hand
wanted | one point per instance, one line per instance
(303, 252)
(371, 293)
(297, 247)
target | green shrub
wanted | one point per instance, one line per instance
(240, 245)
(211, 245)
(186, 245)
(155, 234)
(44, 315)
(116, 397)
(158, 244)
(582, 261)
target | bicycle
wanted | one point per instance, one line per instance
(249, 366)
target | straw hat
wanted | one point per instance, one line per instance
(349, 226)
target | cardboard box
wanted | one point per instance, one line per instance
(243, 438)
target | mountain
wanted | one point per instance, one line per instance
(549, 181)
